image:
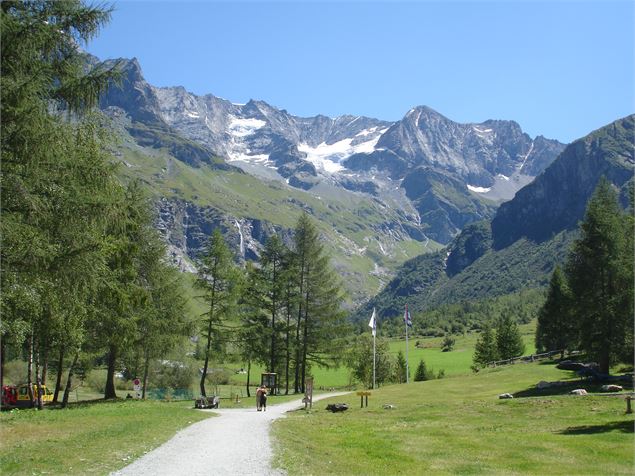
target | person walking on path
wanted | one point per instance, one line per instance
(261, 398)
(259, 391)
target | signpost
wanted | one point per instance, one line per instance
(137, 387)
(362, 395)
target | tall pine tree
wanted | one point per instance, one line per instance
(320, 318)
(218, 278)
(600, 276)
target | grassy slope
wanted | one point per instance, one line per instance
(89, 438)
(349, 221)
(458, 426)
(457, 362)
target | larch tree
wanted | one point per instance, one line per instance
(54, 170)
(218, 279)
(320, 320)
(600, 275)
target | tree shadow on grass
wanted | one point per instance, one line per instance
(621, 426)
(589, 386)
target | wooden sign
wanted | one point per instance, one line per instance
(362, 395)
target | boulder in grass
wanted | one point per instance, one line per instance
(504, 396)
(388, 406)
(612, 388)
(337, 407)
(579, 391)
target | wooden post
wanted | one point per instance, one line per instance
(361, 398)
(628, 404)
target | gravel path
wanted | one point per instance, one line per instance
(235, 443)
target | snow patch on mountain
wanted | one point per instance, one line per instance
(472, 188)
(328, 157)
(244, 127)
(260, 159)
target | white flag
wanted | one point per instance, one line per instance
(373, 323)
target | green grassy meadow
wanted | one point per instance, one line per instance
(458, 425)
(88, 438)
(456, 362)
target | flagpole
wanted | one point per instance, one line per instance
(406, 324)
(374, 354)
(374, 361)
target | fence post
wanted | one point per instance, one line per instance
(628, 404)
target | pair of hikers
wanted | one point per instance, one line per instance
(261, 398)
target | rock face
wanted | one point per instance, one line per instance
(187, 228)
(557, 199)
(451, 173)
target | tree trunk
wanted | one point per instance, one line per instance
(248, 376)
(274, 309)
(58, 380)
(146, 367)
(110, 391)
(212, 305)
(207, 349)
(305, 344)
(29, 371)
(38, 380)
(69, 380)
(45, 364)
(296, 364)
(288, 337)
(2, 357)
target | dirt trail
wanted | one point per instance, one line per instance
(235, 443)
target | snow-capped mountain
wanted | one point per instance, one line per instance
(450, 173)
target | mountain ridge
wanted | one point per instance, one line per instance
(528, 236)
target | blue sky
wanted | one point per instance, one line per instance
(560, 69)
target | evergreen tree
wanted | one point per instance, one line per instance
(163, 322)
(273, 279)
(557, 327)
(509, 342)
(320, 318)
(600, 276)
(400, 368)
(290, 301)
(423, 373)
(254, 329)
(485, 350)
(218, 279)
(55, 176)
